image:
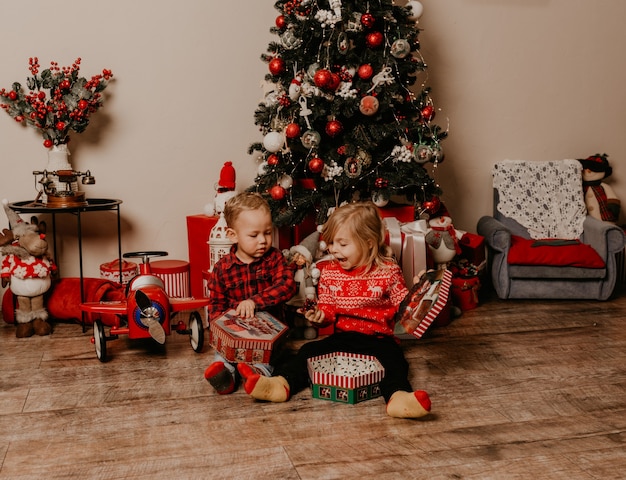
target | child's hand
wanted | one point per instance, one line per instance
(315, 316)
(418, 277)
(246, 309)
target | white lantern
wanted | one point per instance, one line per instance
(219, 243)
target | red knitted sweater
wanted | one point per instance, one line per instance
(360, 301)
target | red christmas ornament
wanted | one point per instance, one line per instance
(60, 125)
(277, 66)
(374, 39)
(333, 83)
(368, 20)
(273, 160)
(277, 192)
(334, 128)
(48, 143)
(381, 183)
(281, 21)
(316, 165)
(428, 112)
(365, 71)
(292, 130)
(322, 77)
(432, 206)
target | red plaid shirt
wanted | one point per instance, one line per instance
(268, 282)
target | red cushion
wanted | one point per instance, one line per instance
(553, 252)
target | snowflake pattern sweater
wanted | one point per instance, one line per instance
(31, 267)
(361, 301)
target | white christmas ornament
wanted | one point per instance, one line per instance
(379, 199)
(416, 10)
(262, 168)
(295, 87)
(285, 181)
(273, 141)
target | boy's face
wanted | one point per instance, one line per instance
(252, 232)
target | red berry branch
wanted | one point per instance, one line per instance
(58, 100)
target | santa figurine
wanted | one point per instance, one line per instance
(225, 190)
(600, 199)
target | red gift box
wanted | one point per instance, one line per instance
(111, 271)
(198, 231)
(473, 248)
(289, 236)
(465, 292)
(404, 213)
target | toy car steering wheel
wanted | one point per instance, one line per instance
(146, 255)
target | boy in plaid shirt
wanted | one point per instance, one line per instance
(253, 276)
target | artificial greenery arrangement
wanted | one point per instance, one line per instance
(58, 101)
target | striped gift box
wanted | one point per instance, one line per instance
(250, 340)
(345, 377)
(423, 304)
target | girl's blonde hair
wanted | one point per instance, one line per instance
(366, 227)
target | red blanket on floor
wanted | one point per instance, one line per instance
(63, 299)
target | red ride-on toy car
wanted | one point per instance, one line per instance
(147, 311)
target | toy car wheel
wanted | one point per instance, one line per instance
(196, 332)
(100, 340)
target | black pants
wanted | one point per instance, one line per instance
(384, 348)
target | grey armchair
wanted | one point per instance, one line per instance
(550, 192)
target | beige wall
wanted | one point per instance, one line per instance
(533, 79)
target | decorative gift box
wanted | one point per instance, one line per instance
(465, 292)
(250, 340)
(288, 236)
(408, 242)
(404, 213)
(111, 271)
(345, 377)
(473, 248)
(198, 231)
(424, 304)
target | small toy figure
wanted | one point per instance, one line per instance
(600, 199)
(27, 267)
(305, 276)
(443, 240)
(225, 190)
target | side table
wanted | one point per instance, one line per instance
(93, 205)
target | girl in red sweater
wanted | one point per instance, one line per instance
(359, 292)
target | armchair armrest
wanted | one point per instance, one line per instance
(497, 236)
(604, 237)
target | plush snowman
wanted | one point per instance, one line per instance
(600, 199)
(442, 240)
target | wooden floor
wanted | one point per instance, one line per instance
(520, 390)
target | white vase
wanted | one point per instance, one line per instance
(58, 161)
(58, 158)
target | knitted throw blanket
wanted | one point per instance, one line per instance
(544, 197)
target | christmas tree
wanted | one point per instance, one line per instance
(342, 117)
